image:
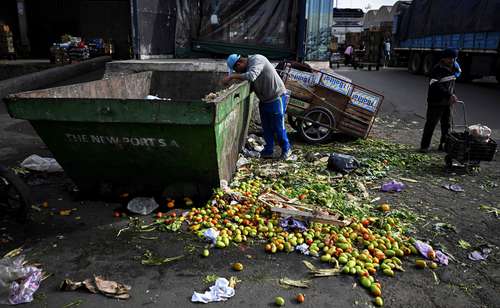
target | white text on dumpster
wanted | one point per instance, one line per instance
(134, 141)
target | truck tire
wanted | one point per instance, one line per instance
(428, 64)
(498, 70)
(415, 64)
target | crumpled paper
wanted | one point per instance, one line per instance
(221, 291)
(303, 249)
(424, 249)
(211, 235)
(18, 283)
(107, 288)
(291, 224)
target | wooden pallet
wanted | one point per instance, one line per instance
(306, 212)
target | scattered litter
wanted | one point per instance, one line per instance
(211, 235)
(480, 255)
(107, 288)
(392, 186)
(408, 180)
(464, 244)
(242, 161)
(287, 282)
(18, 282)
(250, 153)
(480, 132)
(75, 303)
(255, 143)
(44, 164)
(156, 97)
(375, 199)
(210, 278)
(322, 272)
(149, 259)
(490, 209)
(65, 212)
(428, 252)
(70, 285)
(303, 249)
(291, 224)
(453, 187)
(142, 206)
(443, 227)
(221, 291)
(112, 288)
(342, 162)
(436, 279)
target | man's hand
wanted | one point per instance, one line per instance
(226, 80)
(453, 99)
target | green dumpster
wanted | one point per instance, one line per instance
(110, 139)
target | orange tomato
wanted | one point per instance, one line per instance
(300, 298)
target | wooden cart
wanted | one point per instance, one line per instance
(323, 103)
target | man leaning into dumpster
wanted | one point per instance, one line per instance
(272, 94)
(440, 97)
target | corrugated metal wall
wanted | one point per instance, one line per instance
(319, 14)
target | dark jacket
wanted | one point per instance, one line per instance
(441, 85)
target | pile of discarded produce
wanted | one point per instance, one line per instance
(301, 206)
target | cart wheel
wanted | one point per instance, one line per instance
(317, 126)
(448, 161)
(294, 122)
(15, 196)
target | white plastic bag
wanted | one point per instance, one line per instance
(143, 206)
(38, 163)
(480, 132)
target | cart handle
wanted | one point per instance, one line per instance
(452, 116)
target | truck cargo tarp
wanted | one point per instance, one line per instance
(436, 17)
(266, 23)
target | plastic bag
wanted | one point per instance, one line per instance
(342, 163)
(480, 132)
(38, 163)
(18, 283)
(143, 206)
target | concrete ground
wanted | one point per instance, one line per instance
(86, 243)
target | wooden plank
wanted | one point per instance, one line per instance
(349, 126)
(358, 114)
(355, 124)
(326, 219)
(359, 110)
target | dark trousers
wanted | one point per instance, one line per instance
(434, 115)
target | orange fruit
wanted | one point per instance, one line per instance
(300, 298)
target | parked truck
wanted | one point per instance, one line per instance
(423, 28)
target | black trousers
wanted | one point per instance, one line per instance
(434, 115)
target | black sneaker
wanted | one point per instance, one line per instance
(424, 150)
(441, 147)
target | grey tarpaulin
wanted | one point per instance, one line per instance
(435, 17)
(263, 23)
